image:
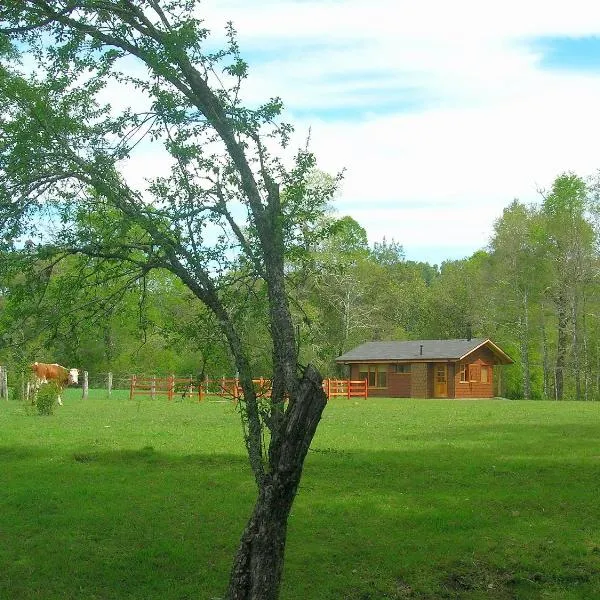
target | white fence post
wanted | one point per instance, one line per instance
(85, 385)
(3, 383)
(110, 384)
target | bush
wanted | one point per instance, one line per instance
(46, 398)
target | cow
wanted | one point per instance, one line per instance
(45, 373)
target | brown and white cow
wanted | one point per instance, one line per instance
(46, 373)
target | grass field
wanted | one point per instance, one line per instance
(113, 499)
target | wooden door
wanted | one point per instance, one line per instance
(440, 380)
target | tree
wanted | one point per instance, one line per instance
(569, 243)
(218, 220)
(518, 271)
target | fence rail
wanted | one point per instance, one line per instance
(186, 386)
(171, 386)
(347, 388)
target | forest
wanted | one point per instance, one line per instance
(534, 290)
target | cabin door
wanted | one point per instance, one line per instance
(440, 380)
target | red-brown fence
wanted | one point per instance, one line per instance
(171, 386)
(162, 386)
(346, 388)
(229, 387)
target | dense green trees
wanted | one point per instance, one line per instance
(535, 290)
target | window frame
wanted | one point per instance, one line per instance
(485, 368)
(375, 370)
(463, 373)
(474, 370)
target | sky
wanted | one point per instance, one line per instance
(441, 113)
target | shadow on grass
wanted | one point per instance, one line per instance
(463, 517)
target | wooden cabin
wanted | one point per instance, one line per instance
(427, 368)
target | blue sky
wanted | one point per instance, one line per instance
(440, 112)
(578, 54)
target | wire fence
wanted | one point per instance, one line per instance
(171, 386)
(14, 384)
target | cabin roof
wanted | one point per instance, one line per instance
(420, 350)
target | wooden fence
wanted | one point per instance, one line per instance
(229, 387)
(172, 386)
(162, 386)
(346, 388)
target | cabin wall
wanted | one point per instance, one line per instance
(483, 357)
(451, 380)
(398, 384)
(420, 380)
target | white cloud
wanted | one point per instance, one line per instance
(440, 112)
(443, 113)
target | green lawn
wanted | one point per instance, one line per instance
(113, 499)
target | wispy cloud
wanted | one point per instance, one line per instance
(440, 112)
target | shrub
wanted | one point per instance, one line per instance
(46, 398)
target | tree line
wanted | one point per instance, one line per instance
(534, 290)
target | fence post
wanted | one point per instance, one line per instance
(132, 387)
(84, 387)
(110, 384)
(366, 388)
(171, 385)
(3, 383)
(349, 384)
(23, 387)
(153, 387)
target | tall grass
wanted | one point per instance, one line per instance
(400, 499)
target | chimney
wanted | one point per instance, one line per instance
(421, 350)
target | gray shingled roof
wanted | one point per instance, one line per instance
(432, 350)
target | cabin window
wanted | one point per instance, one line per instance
(376, 375)
(469, 373)
(473, 373)
(484, 374)
(403, 369)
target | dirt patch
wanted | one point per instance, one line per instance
(479, 577)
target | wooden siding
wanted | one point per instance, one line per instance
(398, 384)
(419, 380)
(451, 380)
(476, 389)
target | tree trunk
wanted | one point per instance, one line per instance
(545, 362)
(576, 353)
(561, 350)
(258, 565)
(586, 356)
(524, 331)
